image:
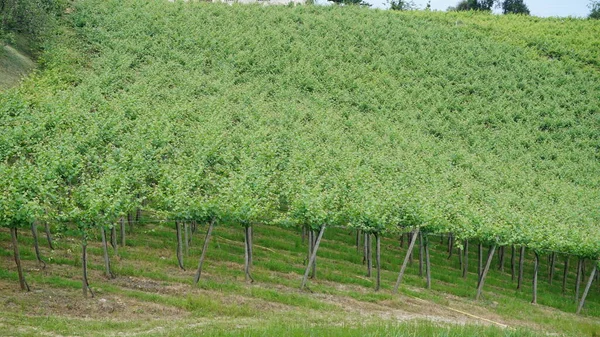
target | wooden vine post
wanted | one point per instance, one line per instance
(552, 265)
(485, 271)
(248, 252)
(466, 260)
(113, 239)
(480, 258)
(369, 254)
(36, 246)
(48, 235)
(587, 287)
(107, 271)
(186, 238)
(521, 260)
(85, 285)
(421, 253)
(406, 258)
(179, 245)
(17, 256)
(578, 278)
(122, 224)
(313, 257)
(512, 263)
(204, 248)
(565, 274)
(536, 267)
(313, 266)
(427, 262)
(378, 260)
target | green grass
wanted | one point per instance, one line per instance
(274, 303)
(343, 330)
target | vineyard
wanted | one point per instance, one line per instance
(472, 134)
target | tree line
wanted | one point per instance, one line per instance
(506, 6)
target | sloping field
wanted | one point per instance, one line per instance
(312, 117)
(427, 123)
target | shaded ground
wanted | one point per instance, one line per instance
(14, 65)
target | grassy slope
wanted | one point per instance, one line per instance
(495, 129)
(152, 296)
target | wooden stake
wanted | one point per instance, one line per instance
(122, 222)
(186, 238)
(48, 235)
(313, 273)
(17, 256)
(480, 266)
(378, 260)
(113, 239)
(578, 278)
(204, 248)
(587, 287)
(521, 259)
(250, 239)
(512, 263)
(427, 263)
(179, 245)
(565, 274)
(310, 245)
(410, 256)
(365, 250)
(247, 252)
(36, 246)
(85, 285)
(130, 222)
(408, 252)
(485, 271)
(460, 259)
(313, 256)
(552, 265)
(421, 251)
(466, 259)
(369, 255)
(536, 265)
(107, 271)
(450, 245)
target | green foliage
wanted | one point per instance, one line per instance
(402, 5)
(594, 7)
(473, 5)
(311, 116)
(33, 17)
(351, 2)
(514, 7)
(551, 38)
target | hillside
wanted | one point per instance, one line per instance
(334, 121)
